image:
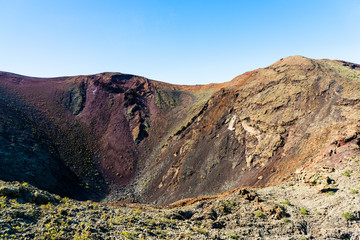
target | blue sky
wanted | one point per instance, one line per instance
(182, 42)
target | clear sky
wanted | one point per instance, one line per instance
(176, 41)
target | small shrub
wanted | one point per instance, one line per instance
(286, 202)
(348, 216)
(259, 214)
(347, 173)
(227, 207)
(129, 235)
(355, 159)
(233, 236)
(2, 202)
(354, 191)
(331, 192)
(303, 211)
(25, 184)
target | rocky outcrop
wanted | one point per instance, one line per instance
(294, 209)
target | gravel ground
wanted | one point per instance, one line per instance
(323, 204)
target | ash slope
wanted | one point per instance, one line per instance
(124, 136)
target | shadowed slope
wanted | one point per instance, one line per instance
(101, 127)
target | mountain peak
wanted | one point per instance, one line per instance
(294, 61)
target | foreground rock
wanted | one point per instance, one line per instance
(296, 209)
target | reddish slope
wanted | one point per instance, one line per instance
(103, 126)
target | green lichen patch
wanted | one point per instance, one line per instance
(75, 98)
(167, 98)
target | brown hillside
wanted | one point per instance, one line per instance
(263, 127)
